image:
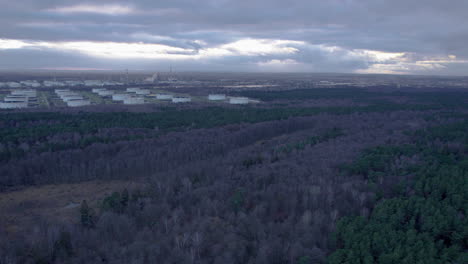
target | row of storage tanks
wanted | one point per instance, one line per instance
(174, 99)
(131, 97)
(211, 97)
(19, 99)
(232, 100)
(135, 95)
(71, 98)
(47, 83)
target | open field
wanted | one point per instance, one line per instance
(56, 203)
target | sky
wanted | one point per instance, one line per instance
(350, 36)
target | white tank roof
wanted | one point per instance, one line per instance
(31, 93)
(133, 89)
(238, 100)
(143, 92)
(134, 100)
(68, 98)
(15, 99)
(96, 90)
(61, 90)
(163, 96)
(13, 105)
(76, 103)
(120, 97)
(53, 83)
(215, 97)
(105, 92)
(65, 94)
(13, 84)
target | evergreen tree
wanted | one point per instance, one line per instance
(87, 215)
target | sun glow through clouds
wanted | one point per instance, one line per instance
(98, 9)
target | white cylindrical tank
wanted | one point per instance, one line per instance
(133, 89)
(216, 97)
(76, 103)
(105, 93)
(73, 97)
(162, 96)
(134, 100)
(96, 90)
(31, 83)
(30, 93)
(238, 100)
(120, 97)
(181, 99)
(143, 92)
(57, 91)
(13, 105)
(93, 83)
(10, 98)
(13, 85)
(53, 83)
(64, 95)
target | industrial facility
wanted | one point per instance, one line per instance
(71, 98)
(59, 92)
(18, 99)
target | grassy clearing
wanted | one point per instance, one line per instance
(23, 208)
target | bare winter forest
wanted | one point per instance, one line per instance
(308, 175)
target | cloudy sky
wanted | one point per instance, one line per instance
(356, 36)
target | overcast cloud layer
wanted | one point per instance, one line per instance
(361, 36)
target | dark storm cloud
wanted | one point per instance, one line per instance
(420, 29)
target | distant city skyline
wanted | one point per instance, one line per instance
(343, 36)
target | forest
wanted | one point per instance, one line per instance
(324, 175)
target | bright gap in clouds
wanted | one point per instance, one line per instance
(97, 9)
(115, 50)
(266, 54)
